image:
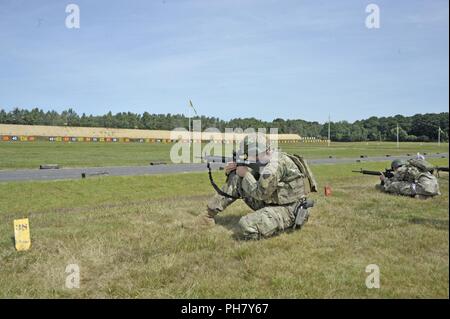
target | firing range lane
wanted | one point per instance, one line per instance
(75, 173)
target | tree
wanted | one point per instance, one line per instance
(420, 127)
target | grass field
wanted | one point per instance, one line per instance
(129, 237)
(32, 154)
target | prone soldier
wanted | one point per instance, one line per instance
(410, 178)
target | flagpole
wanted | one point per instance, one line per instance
(189, 126)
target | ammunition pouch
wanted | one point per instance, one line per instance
(301, 212)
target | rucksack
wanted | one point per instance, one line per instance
(421, 164)
(310, 181)
(427, 185)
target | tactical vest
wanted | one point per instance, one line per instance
(310, 184)
(295, 186)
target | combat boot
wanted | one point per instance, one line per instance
(204, 220)
(207, 219)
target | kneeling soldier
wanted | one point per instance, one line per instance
(275, 190)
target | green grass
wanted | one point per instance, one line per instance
(32, 154)
(129, 237)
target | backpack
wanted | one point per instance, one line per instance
(427, 185)
(421, 164)
(310, 181)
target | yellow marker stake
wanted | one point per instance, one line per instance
(22, 234)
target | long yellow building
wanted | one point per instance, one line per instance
(12, 132)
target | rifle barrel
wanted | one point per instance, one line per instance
(366, 172)
(217, 159)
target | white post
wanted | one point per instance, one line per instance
(397, 138)
(329, 138)
(190, 125)
(439, 136)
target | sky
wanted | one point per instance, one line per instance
(266, 59)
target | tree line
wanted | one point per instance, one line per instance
(419, 127)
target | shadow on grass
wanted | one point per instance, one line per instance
(431, 222)
(230, 222)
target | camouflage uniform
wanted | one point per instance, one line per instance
(272, 197)
(410, 181)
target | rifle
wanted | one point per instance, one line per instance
(438, 169)
(254, 165)
(388, 172)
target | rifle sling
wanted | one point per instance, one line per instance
(221, 192)
(214, 185)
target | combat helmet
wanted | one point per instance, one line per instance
(253, 144)
(397, 163)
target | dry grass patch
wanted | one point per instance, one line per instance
(129, 238)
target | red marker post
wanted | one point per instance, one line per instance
(327, 190)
